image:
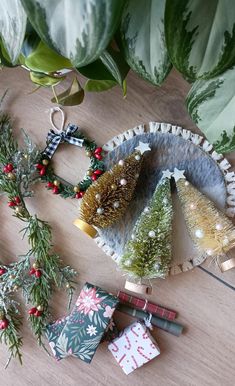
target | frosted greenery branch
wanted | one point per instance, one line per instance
(40, 271)
(11, 335)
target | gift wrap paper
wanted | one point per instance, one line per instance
(134, 347)
(53, 332)
(80, 333)
(146, 305)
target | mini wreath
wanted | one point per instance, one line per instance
(71, 135)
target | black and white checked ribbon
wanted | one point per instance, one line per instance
(54, 139)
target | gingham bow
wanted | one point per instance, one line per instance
(54, 139)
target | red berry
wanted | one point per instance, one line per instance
(94, 177)
(5, 169)
(39, 166)
(32, 311)
(11, 203)
(82, 193)
(38, 273)
(98, 156)
(17, 200)
(10, 167)
(78, 195)
(98, 172)
(98, 150)
(2, 271)
(38, 313)
(55, 190)
(50, 185)
(32, 271)
(42, 171)
(4, 323)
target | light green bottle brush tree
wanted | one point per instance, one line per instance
(148, 253)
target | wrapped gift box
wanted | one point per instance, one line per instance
(134, 347)
(84, 328)
(54, 330)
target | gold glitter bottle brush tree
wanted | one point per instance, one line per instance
(106, 200)
(212, 232)
(148, 253)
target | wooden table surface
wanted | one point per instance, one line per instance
(204, 298)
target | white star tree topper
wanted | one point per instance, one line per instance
(143, 147)
(167, 174)
(178, 174)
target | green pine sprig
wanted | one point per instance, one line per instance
(37, 289)
(11, 335)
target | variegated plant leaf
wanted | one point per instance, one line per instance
(143, 39)
(79, 30)
(116, 64)
(200, 36)
(211, 104)
(12, 27)
(4, 57)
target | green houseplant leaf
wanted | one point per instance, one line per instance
(80, 31)
(211, 104)
(4, 57)
(44, 59)
(73, 96)
(106, 72)
(31, 41)
(12, 27)
(99, 85)
(116, 64)
(44, 80)
(96, 71)
(200, 36)
(143, 39)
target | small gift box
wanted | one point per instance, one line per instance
(134, 347)
(84, 328)
(53, 332)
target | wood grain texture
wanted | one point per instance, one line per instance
(204, 355)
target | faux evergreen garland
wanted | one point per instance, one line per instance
(40, 271)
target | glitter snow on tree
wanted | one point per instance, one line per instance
(107, 199)
(211, 230)
(148, 253)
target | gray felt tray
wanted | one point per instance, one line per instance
(171, 147)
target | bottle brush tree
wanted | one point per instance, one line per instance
(212, 232)
(148, 253)
(106, 200)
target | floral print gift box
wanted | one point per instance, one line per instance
(85, 327)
